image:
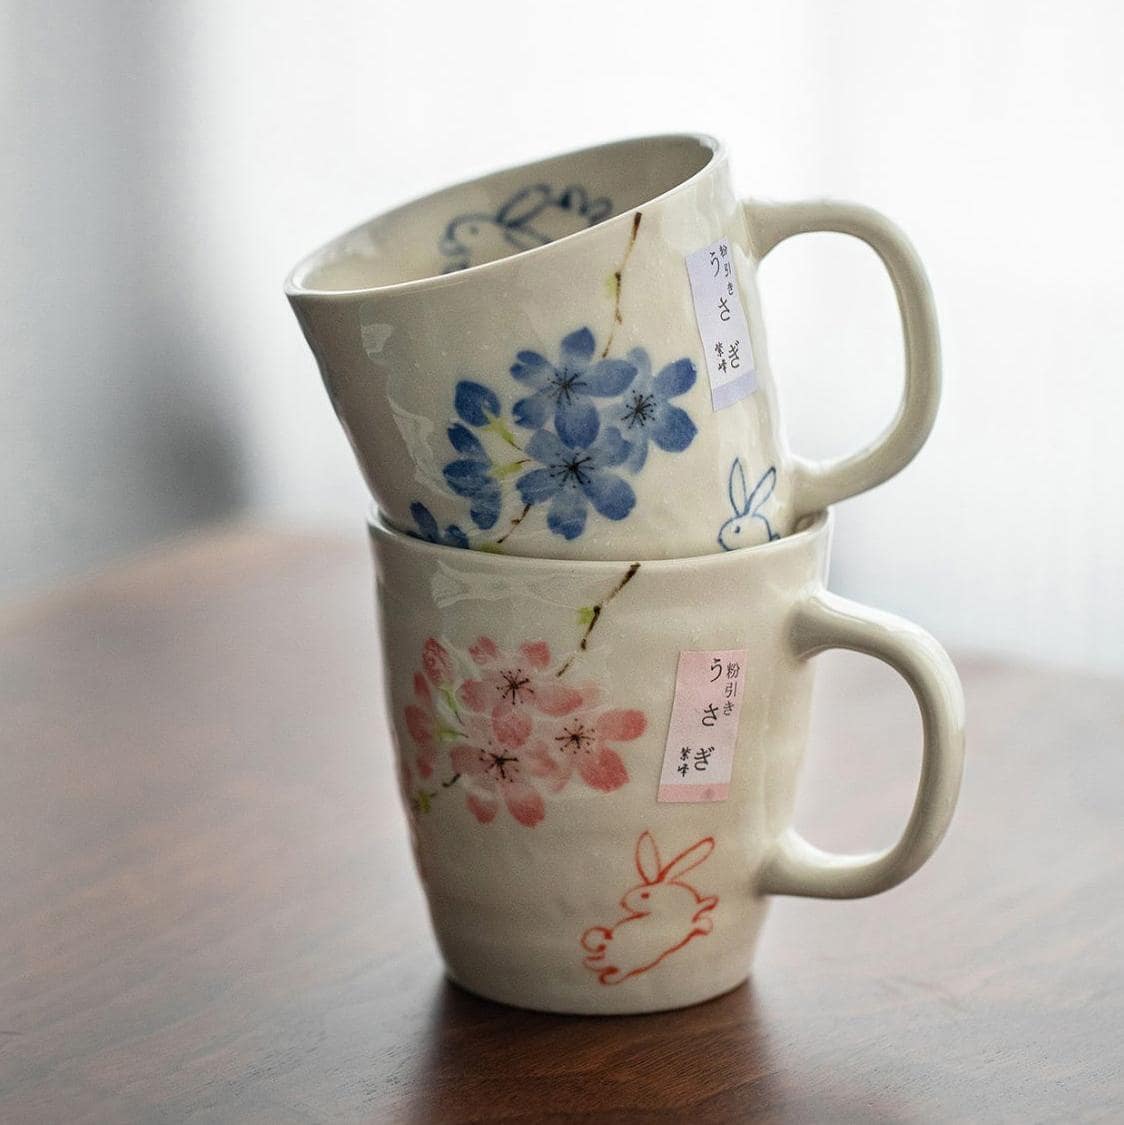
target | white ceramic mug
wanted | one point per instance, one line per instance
(561, 760)
(525, 363)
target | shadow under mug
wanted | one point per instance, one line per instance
(559, 730)
(567, 359)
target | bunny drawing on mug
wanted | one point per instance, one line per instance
(532, 217)
(664, 914)
(747, 506)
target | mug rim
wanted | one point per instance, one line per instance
(810, 528)
(295, 287)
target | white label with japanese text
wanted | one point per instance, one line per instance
(722, 324)
(699, 756)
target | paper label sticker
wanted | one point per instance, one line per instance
(722, 324)
(699, 756)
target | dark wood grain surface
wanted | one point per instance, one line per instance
(208, 914)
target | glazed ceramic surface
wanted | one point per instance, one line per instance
(532, 702)
(526, 364)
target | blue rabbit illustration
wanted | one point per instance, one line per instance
(747, 505)
(533, 216)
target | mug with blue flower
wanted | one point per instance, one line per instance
(567, 359)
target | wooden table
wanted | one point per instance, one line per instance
(208, 914)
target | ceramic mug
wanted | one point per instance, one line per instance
(599, 760)
(567, 359)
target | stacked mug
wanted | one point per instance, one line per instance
(600, 573)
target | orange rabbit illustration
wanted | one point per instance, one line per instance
(664, 913)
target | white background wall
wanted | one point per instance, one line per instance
(170, 162)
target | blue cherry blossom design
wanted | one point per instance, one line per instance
(563, 392)
(429, 530)
(591, 421)
(646, 411)
(471, 475)
(575, 475)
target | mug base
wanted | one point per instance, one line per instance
(599, 1005)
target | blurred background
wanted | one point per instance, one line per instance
(165, 164)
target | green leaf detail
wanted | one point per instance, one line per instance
(508, 470)
(497, 425)
(585, 615)
(450, 701)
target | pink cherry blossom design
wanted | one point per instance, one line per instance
(516, 684)
(492, 772)
(582, 741)
(421, 722)
(437, 663)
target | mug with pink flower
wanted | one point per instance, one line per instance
(536, 707)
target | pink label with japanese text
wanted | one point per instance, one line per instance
(699, 756)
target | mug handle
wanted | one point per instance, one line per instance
(823, 621)
(816, 485)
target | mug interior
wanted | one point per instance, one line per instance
(503, 214)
